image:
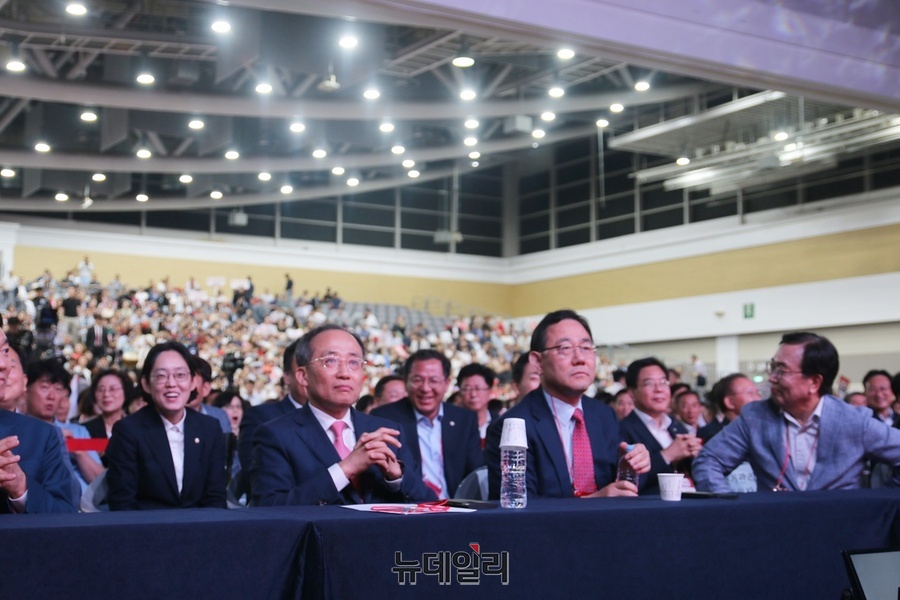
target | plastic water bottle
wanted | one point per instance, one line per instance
(513, 492)
(625, 472)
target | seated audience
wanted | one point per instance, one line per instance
(476, 383)
(879, 396)
(856, 399)
(389, 388)
(112, 392)
(525, 378)
(688, 410)
(623, 403)
(728, 397)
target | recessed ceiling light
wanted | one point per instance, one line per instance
(61, 197)
(232, 155)
(297, 127)
(264, 176)
(413, 173)
(538, 134)
(408, 163)
(556, 92)
(98, 177)
(287, 189)
(474, 154)
(353, 182)
(7, 173)
(319, 153)
(535, 145)
(371, 94)
(474, 163)
(88, 116)
(682, 161)
(602, 123)
(220, 26)
(142, 197)
(616, 108)
(398, 149)
(42, 147)
(215, 195)
(263, 88)
(348, 41)
(548, 116)
(76, 9)
(470, 141)
(386, 127)
(463, 62)
(15, 65)
(143, 153)
(145, 78)
(196, 124)
(641, 86)
(185, 178)
(337, 171)
(467, 94)
(471, 124)
(565, 53)
(781, 136)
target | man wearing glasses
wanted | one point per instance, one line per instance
(802, 438)
(573, 440)
(327, 452)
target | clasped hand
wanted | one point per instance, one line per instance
(374, 448)
(12, 478)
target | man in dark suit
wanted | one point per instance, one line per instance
(96, 338)
(327, 452)
(562, 424)
(443, 438)
(880, 397)
(728, 396)
(670, 444)
(33, 475)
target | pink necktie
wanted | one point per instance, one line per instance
(582, 457)
(338, 428)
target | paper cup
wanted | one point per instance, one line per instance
(513, 435)
(670, 486)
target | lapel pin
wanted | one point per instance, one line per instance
(196, 440)
(452, 423)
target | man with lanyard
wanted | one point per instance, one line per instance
(802, 438)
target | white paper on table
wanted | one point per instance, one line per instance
(405, 509)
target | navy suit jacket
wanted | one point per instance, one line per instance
(253, 418)
(460, 440)
(548, 472)
(635, 432)
(709, 430)
(49, 478)
(291, 456)
(141, 473)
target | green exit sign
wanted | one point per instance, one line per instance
(749, 310)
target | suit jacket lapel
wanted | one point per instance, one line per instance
(450, 439)
(158, 441)
(827, 445)
(316, 440)
(192, 472)
(545, 424)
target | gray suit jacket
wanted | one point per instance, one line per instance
(847, 438)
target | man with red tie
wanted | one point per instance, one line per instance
(327, 452)
(574, 442)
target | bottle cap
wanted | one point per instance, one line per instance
(513, 436)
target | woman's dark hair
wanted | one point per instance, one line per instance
(154, 353)
(225, 397)
(127, 386)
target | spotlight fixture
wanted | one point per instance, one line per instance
(76, 9)
(467, 94)
(565, 53)
(348, 42)
(398, 149)
(371, 94)
(263, 87)
(143, 153)
(61, 197)
(232, 155)
(319, 153)
(264, 176)
(475, 154)
(474, 163)
(641, 86)
(87, 202)
(215, 195)
(408, 163)
(220, 26)
(353, 182)
(413, 174)
(196, 124)
(42, 147)
(556, 91)
(297, 127)
(145, 78)
(464, 59)
(7, 173)
(781, 136)
(548, 116)
(616, 108)
(538, 134)
(601, 123)
(470, 141)
(337, 171)
(471, 123)
(185, 178)
(287, 189)
(88, 116)
(14, 64)
(683, 161)
(98, 177)
(142, 197)
(386, 127)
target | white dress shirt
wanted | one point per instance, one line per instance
(175, 434)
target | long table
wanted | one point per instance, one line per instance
(759, 546)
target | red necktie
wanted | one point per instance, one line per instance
(582, 457)
(338, 428)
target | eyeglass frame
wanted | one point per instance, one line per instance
(568, 353)
(341, 361)
(161, 377)
(778, 371)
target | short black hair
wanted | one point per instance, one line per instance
(382, 383)
(619, 375)
(473, 369)
(290, 356)
(203, 368)
(158, 349)
(723, 388)
(518, 368)
(48, 368)
(423, 355)
(634, 370)
(688, 391)
(303, 352)
(820, 357)
(539, 335)
(875, 373)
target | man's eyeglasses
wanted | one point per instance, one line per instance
(778, 370)
(160, 377)
(419, 382)
(473, 389)
(654, 383)
(566, 350)
(332, 362)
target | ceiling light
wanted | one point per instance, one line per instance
(61, 197)
(398, 149)
(616, 108)
(467, 94)
(474, 163)
(76, 9)
(215, 195)
(408, 163)
(196, 124)
(263, 88)
(220, 26)
(297, 127)
(641, 86)
(535, 145)
(463, 62)
(474, 154)
(264, 176)
(371, 94)
(319, 153)
(538, 134)
(470, 141)
(683, 161)
(781, 136)
(143, 153)
(98, 177)
(142, 197)
(88, 116)
(386, 127)
(337, 171)
(548, 116)
(86, 203)
(15, 65)
(556, 91)
(471, 124)
(602, 123)
(790, 147)
(232, 155)
(565, 53)
(287, 189)
(7, 173)
(185, 178)
(353, 182)
(413, 173)
(145, 78)
(348, 41)
(42, 147)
